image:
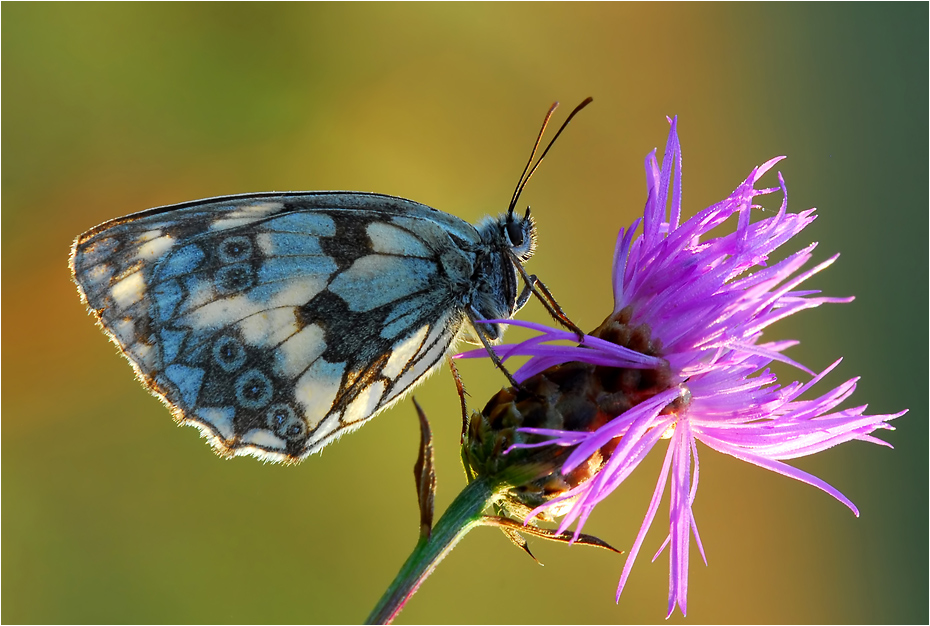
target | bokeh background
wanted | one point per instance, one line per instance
(111, 513)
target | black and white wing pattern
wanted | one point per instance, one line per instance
(277, 322)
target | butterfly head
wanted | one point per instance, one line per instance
(520, 234)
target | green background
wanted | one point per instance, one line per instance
(113, 514)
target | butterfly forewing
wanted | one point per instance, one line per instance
(277, 322)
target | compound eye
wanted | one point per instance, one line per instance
(515, 233)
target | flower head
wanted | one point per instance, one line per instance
(700, 304)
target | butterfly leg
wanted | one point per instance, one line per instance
(534, 286)
(491, 353)
(460, 386)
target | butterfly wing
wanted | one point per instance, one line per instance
(277, 322)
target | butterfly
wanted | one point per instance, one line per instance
(276, 322)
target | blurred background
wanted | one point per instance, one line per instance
(111, 513)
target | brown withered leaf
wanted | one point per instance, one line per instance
(511, 528)
(424, 473)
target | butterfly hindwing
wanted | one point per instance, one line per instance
(277, 322)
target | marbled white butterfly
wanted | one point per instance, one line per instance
(276, 322)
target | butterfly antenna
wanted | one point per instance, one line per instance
(520, 183)
(525, 178)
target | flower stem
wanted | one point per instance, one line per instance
(462, 515)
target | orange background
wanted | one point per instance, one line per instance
(113, 514)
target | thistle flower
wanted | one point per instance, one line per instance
(700, 305)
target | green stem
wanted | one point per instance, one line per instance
(462, 515)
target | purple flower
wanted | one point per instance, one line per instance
(704, 304)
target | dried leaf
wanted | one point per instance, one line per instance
(510, 525)
(424, 473)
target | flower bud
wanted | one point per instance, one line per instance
(575, 396)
